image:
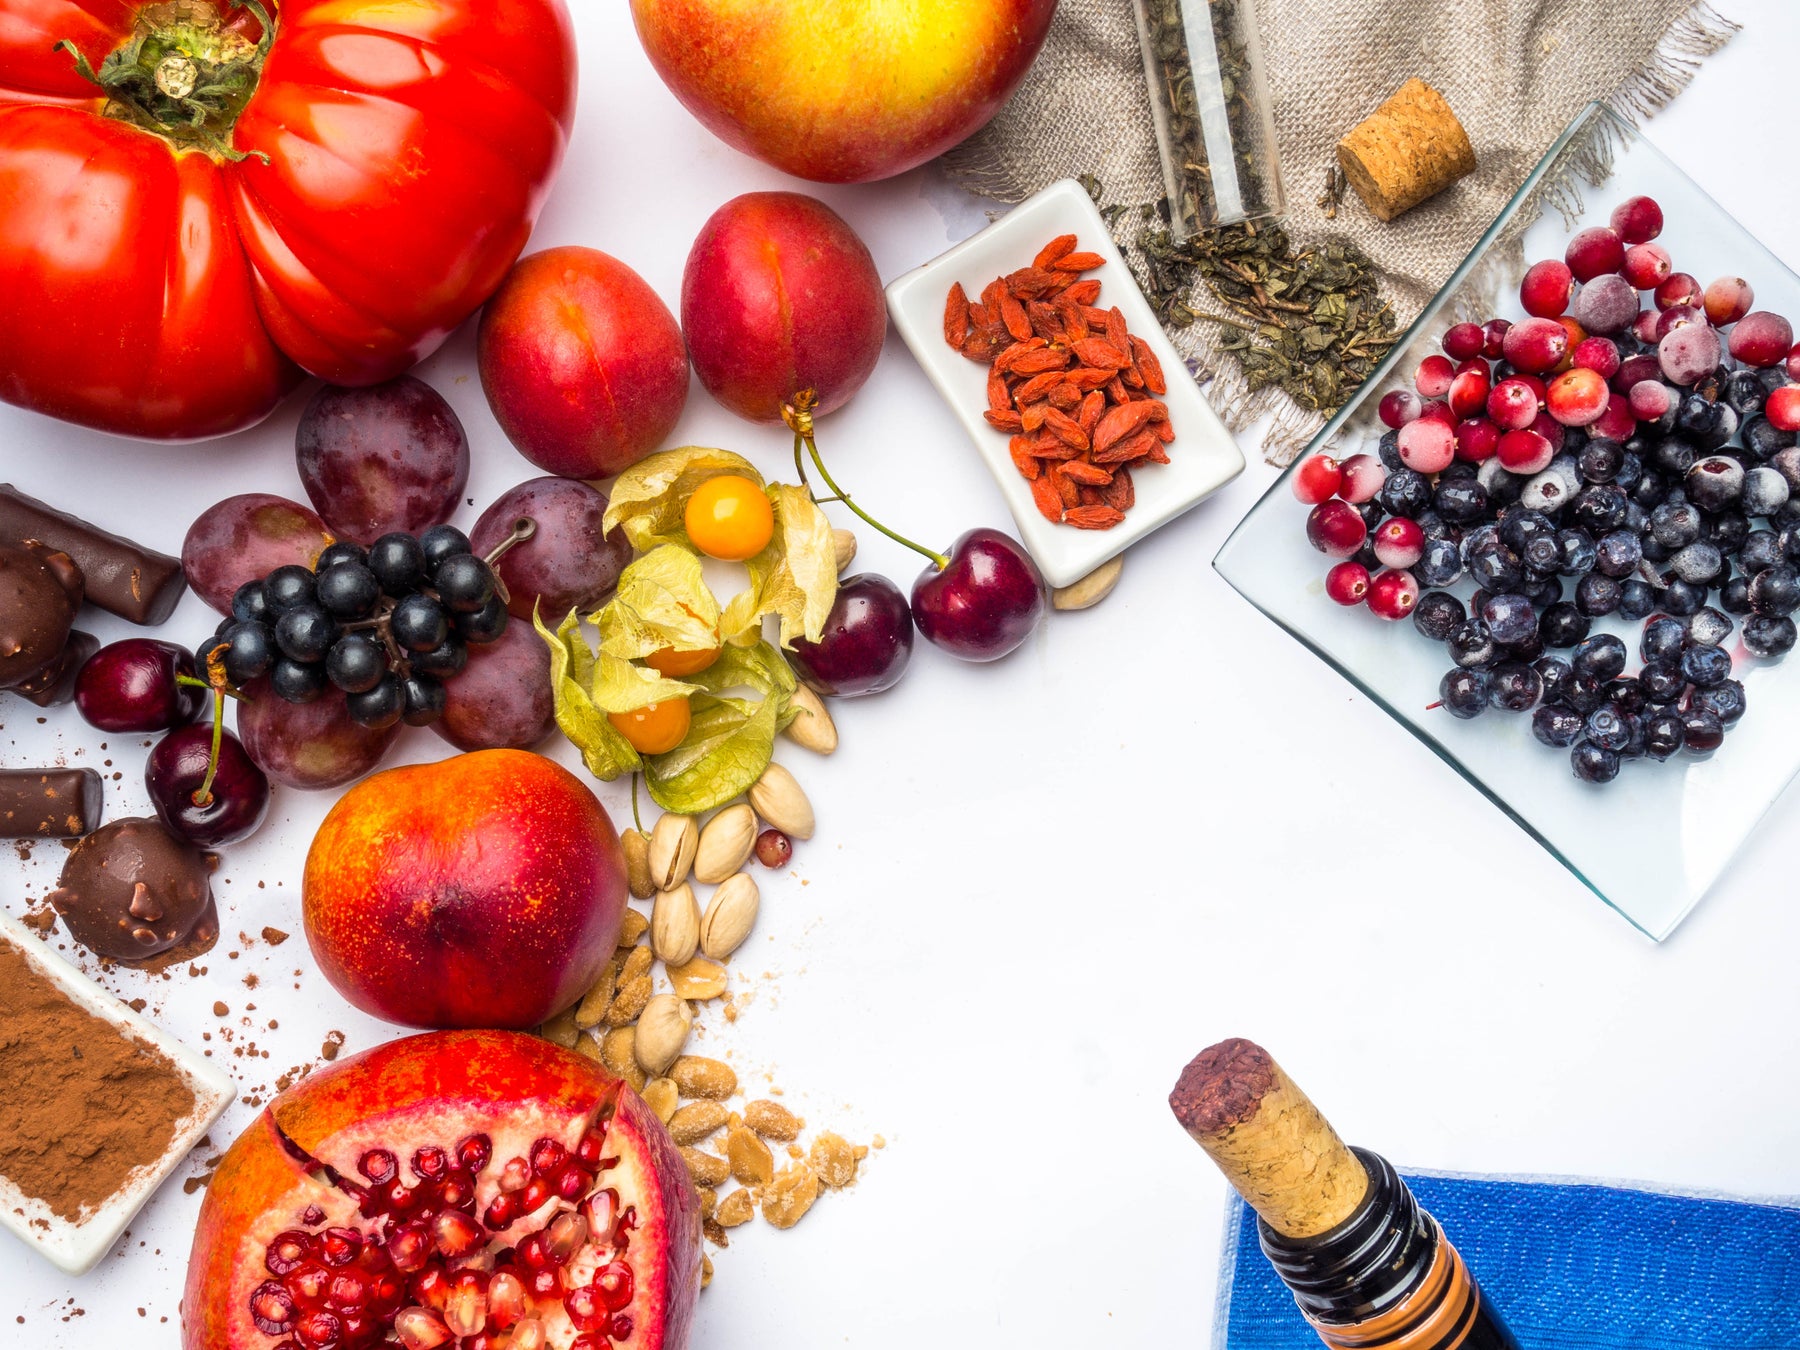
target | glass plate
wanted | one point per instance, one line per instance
(1652, 842)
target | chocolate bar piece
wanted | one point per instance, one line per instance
(56, 686)
(123, 578)
(49, 803)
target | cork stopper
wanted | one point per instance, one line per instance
(1410, 148)
(1268, 1139)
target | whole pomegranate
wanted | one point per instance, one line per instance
(464, 1190)
(485, 890)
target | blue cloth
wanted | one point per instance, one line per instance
(1573, 1267)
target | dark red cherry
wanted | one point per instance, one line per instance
(866, 643)
(985, 603)
(133, 686)
(232, 806)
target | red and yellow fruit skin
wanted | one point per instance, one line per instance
(485, 890)
(434, 1089)
(582, 363)
(843, 91)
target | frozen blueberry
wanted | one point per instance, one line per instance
(1464, 693)
(1440, 564)
(1636, 598)
(1662, 681)
(1618, 553)
(1594, 763)
(1389, 450)
(1762, 439)
(1601, 656)
(1438, 614)
(1675, 525)
(1775, 592)
(1597, 595)
(1502, 488)
(1765, 491)
(1471, 645)
(1682, 598)
(1606, 728)
(1519, 527)
(1544, 592)
(1715, 482)
(1664, 733)
(1744, 392)
(1495, 567)
(1556, 674)
(1675, 455)
(1760, 551)
(1768, 637)
(1510, 618)
(1725, 701)
(1406, 493)
(1578, 552)
(1598, 509)
(1703, 667)
(1584, 693)
(1515, 687)
(1600, 460)
(1557, 725)
(1727, 530)
(1627, 695)
(1734, 595)
(1708, 627)
(1562, 625)
(1702, 731)
(1543, 554)
(1461, 501)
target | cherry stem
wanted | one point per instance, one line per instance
(798, 415)
(203, 794)
(523, 529)
(635, 817)
(226, 690)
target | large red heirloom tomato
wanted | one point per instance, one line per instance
(196, 207)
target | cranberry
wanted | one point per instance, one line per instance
(1427, 446)
(1399, 542)
(1577, 397)
(1546, 289)
(1493, 338)
(1616, 423)
(1317, 479)
(1550, 429)
(1336, 528)
(1347, 583)
(135, 685)
(1363, 476)
(1525, 451)
(1727, 299)
(1647, 266)
(1436, 410)
(1643, 328)
(1476, 439)
(774, 849)
(1651, 400)
(1634, 369)
(1783, 408)
(1678, 288)
(1606, 304)
(1690, 353)
(1637, 220)
(1677, 316)
(1469, 392)
(1598, 354)
(1398, 408)
(1463, 341)
(1536, 345)
(1433, 377)
(1594, 252)
(1513, 404)
(1760, 339)
(1393, 594)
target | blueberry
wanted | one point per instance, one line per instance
(1598, 509)
(1627, 695)
(1605, 727)
(1406, 492)
(1766, 637)
(1389, 450)
(296, 682)
(1460, 502)
(1496, 567)
(1542, 554)
(1556, 725)
(1775, 591)
(1596, 595)
(356, 663)
(1562, 625)
(1482, 536)
(1662, 681)
(1697, 416)
(1762, 550)
(1636, 598)
(1650, 489)
(1440, 564)
(1765, 491)
(1579, 552)
(1727, 530)
(1544, 592)
(424, 697)
(1682, 598)
(288, 588)
(1502, 488)
(1708, 627)
(420, 623)
(1510, 618)
(1715, 482)
(1702, 731)
(1618, 553)
(1789, 538)
(1601, 656)
(341, 552)
(1556, 674)
(1584, 694)
(1630, 475)
(349, 591)
(441, 542)
(251, 652)
(1600, 460)
(1515, 687)
(305, 634)
(1762, 440)
(1459, 471)
(1464, 693)
(1663, 640)
(1593, 763)
(1471, 645)
(250, 604)
(1438, 614)
(398, 563)
(1725, 701)
(485, 625)
(379, 706)
(1664, 734)
(1519, 527)
(1675, 525)
(1744, 392)
(1372, 514)
(1698, 563)
(464, 583)
(1734, 595)
(1676, 456)
(1703, 667)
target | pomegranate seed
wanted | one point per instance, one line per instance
(537, 1193)
(359, 1328)
(384, 1292)
(1392, 595)
(573, 1181)
(340, 1246)
(1594, 252)
(1347, 583)
(1598, 354)
(474, 1152)
(529, 1335)
(409, 1248)
(348, 1291)
(420, 1329)
(272, 1308)
(600, 1210)
(466, 1311)
(1432, 379)
(1493, 338)
(1363, 476)
(1536, 345)
(1398, 408)
(1317, 479)
(431, 1287)
(515, 1175)
(457, 1191)
(1476, 439)
(319, 1330)
(1462, 341)
(615, 1285)
(398, 1198)
(1399, 542)
(1761, 339)
(308, 1281)
(506, 1299)
(590, 1341)
(1647, 266)
(585, 1308)
(503, 1213)
(1577, 397)
(1727, 299)
(1678, 288)
(1637, 220)
(1335, 528)
(1546, 288)
(531, 1252)
(564, 1236)
(544, 1283)
(1783, 408)
(774, 849)
(456, 1233)
(430, 1163)
(288, 1250)
(546, 1156)
(312, 1216)
(378, 1166)
(621, 1326)
(1469, 392)
(1524, 451)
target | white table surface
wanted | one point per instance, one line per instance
(1038, 888)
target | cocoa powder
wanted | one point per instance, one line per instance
(85, 1104)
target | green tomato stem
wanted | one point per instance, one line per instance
(937, 558)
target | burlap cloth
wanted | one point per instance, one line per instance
(1515, 71)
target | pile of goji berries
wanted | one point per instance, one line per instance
(1076, 390)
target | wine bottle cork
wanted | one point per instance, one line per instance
(1410, 148)
(1268, 1139)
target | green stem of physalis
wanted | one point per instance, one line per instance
(220, 687)
(799, 416)
(636, 819)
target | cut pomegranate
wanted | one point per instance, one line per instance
(488, 1121)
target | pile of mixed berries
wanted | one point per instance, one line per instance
(387, 625)
(1596, 458)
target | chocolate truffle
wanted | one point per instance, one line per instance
(131, 889)
(40, 590)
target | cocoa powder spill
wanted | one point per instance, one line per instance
(85, 1105)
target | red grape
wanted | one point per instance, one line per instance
(308, 745)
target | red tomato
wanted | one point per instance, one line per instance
(382, 177)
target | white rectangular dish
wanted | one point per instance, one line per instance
(1204, 456)
(76, 1247)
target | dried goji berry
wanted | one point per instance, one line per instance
(1121, 421)
(1083, 472)
(1005, 420)
(1079, 262)
(1065, 397)
(1059, 247)
(1151, 367)
(1039, 361)
(1022, 458)
(1048, 498)
(956, 316)
(1133, 447)
(1012, 314)
(1100, 354)
(1121, 493)
(1067, 429)
(1091, 409)
(1093, 517)
(999, 397)
(1083, 292)
(1038, 386)
(1071, 494)
(1033, 416)
(1030, 283)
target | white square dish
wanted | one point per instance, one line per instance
(76, 1247)
(1204, 456)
